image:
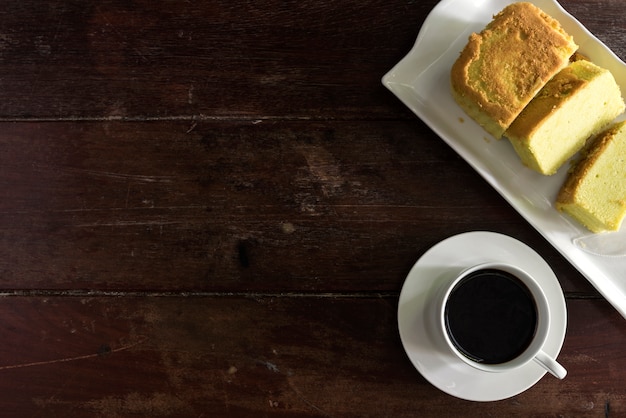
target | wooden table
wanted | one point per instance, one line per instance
(209, 209)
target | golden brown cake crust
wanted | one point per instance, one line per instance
(578, 102)
(551, 97)
(502, 68)
(594, 193)
(586, 161)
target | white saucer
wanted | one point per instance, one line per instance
(443, 369)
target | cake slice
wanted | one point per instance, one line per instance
(594, 193)
(502, 68)
(580, 101)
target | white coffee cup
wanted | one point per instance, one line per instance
(447, 301)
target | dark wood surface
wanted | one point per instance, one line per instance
(209, 209)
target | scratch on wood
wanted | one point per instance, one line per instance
(160, 224)
(270, 366)
(323, 167)
(142, 339)
(192, 127)
(190, 95)
(305, 400)
(108, 174)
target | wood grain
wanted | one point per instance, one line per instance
(344, 206)
(264, 356)
(209, 209)
(217, 60)
(272, 59)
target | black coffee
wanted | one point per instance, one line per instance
(491, 316)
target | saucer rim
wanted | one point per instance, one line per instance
(445, 371)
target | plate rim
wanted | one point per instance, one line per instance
(600, 270)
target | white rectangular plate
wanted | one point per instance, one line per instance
(421, 80)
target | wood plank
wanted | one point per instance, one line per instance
(208, 209)
(163, 59)
(342, 206)
(157, 59)
(233, 356)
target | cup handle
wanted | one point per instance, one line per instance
(550, 364)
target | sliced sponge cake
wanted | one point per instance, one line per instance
(577, 103)
(502, 68)
(595, 191)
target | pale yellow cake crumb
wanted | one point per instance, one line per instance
(595, 190)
